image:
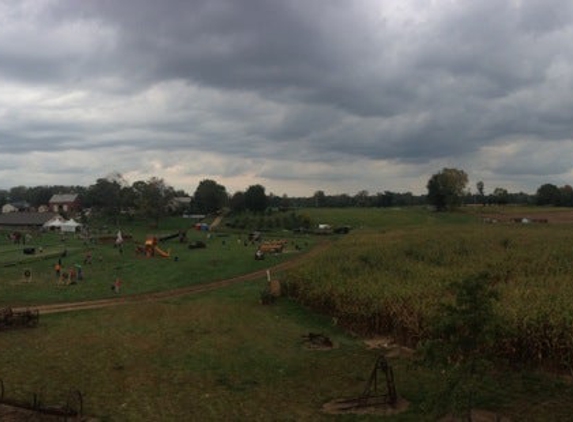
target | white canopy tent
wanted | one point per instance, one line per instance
(54, 223)
(70, 226)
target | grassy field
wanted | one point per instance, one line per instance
(225, 256)
(224, 356)
(369, 219)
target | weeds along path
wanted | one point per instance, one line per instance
(154, 296)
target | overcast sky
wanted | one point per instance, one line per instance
(296, 95)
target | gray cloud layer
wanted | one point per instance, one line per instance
(249, 90)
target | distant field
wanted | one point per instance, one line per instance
(382, 218)
(393, 281)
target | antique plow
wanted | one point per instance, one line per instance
(72, 408)
(10, 319)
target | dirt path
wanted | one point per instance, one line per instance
(154, 296)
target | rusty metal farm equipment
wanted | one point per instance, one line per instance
(12, 319)
(374, 395)
(70, 408)
(317, 341)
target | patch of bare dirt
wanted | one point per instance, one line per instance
(319, 342)
(344, 406)
(556, 217)
(389, 348)
(478, 415)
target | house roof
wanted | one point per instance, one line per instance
(20, 204)
(60, 198)
(26, 218)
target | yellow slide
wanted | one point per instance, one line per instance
(161, 252)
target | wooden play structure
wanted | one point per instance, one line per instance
(273, 246)
(150, 248)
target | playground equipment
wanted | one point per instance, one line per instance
(161, 252)
(198, 244)
(273, 246)
(181, 235)
(150, 248)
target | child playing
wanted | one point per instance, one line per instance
(117, 285)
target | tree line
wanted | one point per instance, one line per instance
(153, 198)
(112, 196)
(448, 189)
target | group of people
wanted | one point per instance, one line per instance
(19, 238)
(75, 273)
(70, 276)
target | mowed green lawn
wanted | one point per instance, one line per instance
(217, 356)
(224, 356)
(225, 256)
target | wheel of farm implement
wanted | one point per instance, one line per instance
(27, 274)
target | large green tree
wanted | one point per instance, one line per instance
(480, 188)
(152, 198)
(210, 197)
(500, 196)
(237, 202)
(566, 196)
(548, 194)
(319, 199)
(446, 188)
(256, 199)
(104, 196)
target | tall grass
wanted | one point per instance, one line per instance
(392, 282)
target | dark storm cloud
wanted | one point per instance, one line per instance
(406, 81)
(541, 16)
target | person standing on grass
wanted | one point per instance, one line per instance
(117, 285)
(58, 268)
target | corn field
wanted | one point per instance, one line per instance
(393, 282)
